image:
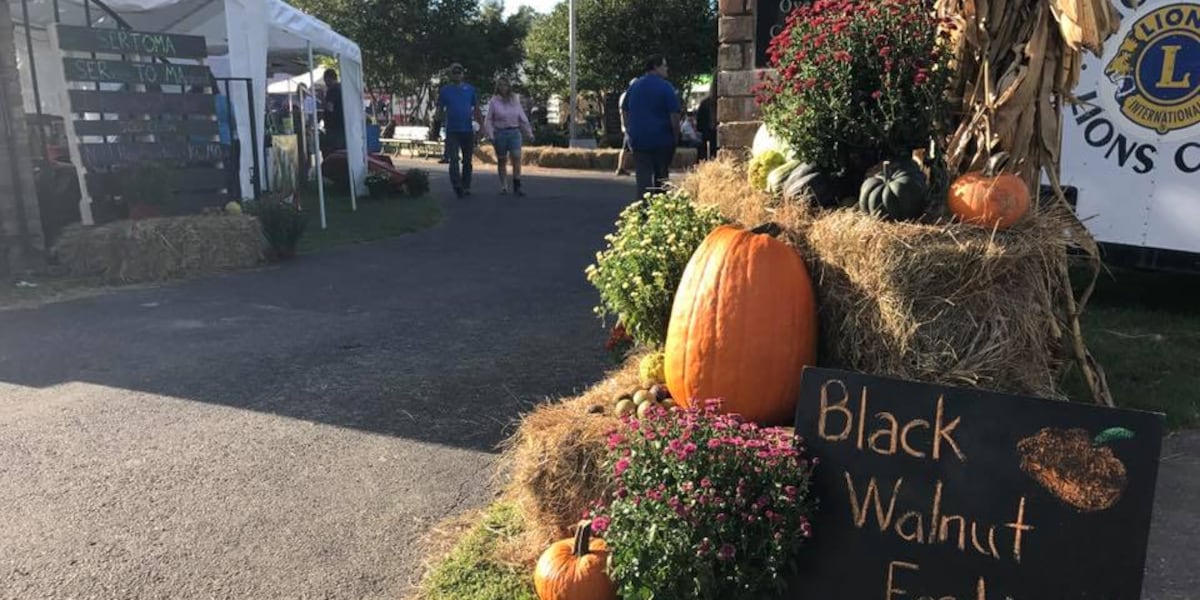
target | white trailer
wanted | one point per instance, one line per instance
(1131, 147)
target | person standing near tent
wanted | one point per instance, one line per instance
(507, 125)
(623, 157)
(706, 122)
(334, 138)
(458, 105)
(651, 112)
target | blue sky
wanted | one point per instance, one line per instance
(511, 6)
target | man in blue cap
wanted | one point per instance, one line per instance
(458, 104)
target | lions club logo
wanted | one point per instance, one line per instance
(1156, 69)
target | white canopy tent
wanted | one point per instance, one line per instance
(290, 85)
(245, 39)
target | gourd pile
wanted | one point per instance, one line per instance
(896, 189)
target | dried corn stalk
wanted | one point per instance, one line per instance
(1017, 62)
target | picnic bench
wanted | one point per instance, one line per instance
(414, 140)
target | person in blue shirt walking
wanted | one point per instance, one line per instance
(458, 105)
(650, 113)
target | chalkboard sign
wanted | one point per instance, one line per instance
(99, 156)
(174, 131)
(118, 41)
(195, 179)
(138, 73)
(159, 127)
(771, 16)
(936, 492)
(86, 101)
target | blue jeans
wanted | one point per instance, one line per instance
(652, 168)
(507, 142)
(460, 143)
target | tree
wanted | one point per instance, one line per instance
(407, 43)
(614, 37)
(546, 60)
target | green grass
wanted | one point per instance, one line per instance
(374, 219)
(1144, 329)
(471, 572)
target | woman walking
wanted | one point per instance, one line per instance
(506, 125)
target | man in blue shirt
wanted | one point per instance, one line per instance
(458, 107)
(650, 114)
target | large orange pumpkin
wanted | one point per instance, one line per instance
(989, 198)
(743, 326)
(573, 569)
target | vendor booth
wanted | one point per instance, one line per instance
(247, 41)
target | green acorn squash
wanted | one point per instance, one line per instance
(807, 182)
(899, 191)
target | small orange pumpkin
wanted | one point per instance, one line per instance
(573, 569)
(989, 198)
(743, 326)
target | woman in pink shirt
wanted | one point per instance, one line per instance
(506, 124)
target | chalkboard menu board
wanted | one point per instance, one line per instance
(770, 15)
(121, 41)
(139, 98)
(936, 492)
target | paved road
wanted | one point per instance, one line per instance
(293, 432)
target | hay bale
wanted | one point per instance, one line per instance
(685, 158)
(485, 153)
(934, 302)
(531, 154)
(554, 460)
(942, 303)
(605, 160)
(162, 248)
(565, 158)
(722, 183)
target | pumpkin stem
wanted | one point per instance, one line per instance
(996, 163)
(770, 228)
(583, 540)
(886, 169)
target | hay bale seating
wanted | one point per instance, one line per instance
(553, 460)
(161, 248)
(934, 302)
(937, 302)
(600, 159)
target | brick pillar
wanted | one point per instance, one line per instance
(22, 244)
(737, 115)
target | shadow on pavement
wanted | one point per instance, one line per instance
(440, 336)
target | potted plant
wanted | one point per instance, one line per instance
(144, 189)
(283, 224)
(379, 185)
(857, 82)
(416, 182)
(725, 502)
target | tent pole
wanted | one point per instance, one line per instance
(349, 168)
(304, 136)
(312, 85)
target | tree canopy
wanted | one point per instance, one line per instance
(614, 37)
(407, 43)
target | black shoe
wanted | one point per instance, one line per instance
(459, 192)
(466, 192)
(517, 191)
